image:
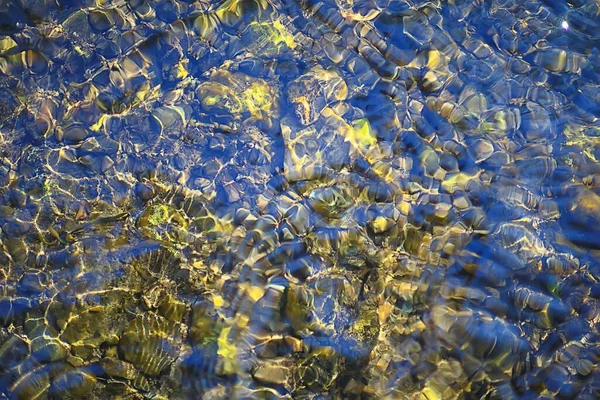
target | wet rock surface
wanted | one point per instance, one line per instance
(299, 199)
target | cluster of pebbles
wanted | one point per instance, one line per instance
(299, 199)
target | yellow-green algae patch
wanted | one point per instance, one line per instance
(239, 95)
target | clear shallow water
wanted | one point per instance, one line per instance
(296, 199)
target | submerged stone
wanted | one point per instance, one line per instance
(149, 343)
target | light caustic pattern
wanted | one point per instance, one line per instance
(299, 199)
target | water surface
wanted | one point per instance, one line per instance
(299, 199)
